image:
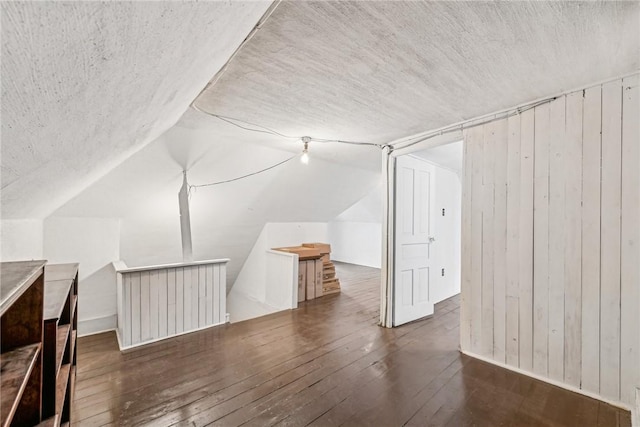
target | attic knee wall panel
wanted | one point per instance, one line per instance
(160, 303)
(630, 244)
(566, 307)
(591, 148)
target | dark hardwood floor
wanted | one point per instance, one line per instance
(325, 364)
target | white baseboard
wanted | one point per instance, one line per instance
(555, 383)
(97, 325)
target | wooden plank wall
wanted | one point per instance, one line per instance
(551, 240)
(164, 302)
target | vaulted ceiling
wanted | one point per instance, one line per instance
(377, 71)
(87, 84)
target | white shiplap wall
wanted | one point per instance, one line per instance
(551, 241)
(163, 301)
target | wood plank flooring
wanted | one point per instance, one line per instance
(325, 364)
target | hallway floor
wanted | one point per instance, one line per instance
(326, 363)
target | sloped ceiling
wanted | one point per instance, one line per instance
(377, 71)
(89, 84)
(367, 209)
(86, 84)
(448, 156)
(225, 220)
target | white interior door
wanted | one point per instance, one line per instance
(412, 240)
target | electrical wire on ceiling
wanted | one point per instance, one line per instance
(235, 122)
(468, 124)
(253, 127)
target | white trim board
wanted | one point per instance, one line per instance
(565, 386)
(121, 267)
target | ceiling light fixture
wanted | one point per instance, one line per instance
(305, 152)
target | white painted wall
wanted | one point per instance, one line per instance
(153, 239)
(551, 241)
(446, 231)
(249, 295)
(356, 234)
(251, 279)
(21, 239)
(281, 234)
(94, 243)
(356, 242)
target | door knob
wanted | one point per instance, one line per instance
(432, 239)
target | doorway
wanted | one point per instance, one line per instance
(424, 236)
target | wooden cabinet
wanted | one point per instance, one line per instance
(38, 304)
(21, 311)
(59, 344)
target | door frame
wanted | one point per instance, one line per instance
(389, 157)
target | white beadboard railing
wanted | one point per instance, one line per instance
(161, 301)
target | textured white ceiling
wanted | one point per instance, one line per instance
(86, 84)
(378, 71)
(362, 157)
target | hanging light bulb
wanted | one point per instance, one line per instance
(305, 152)
(305, 155)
